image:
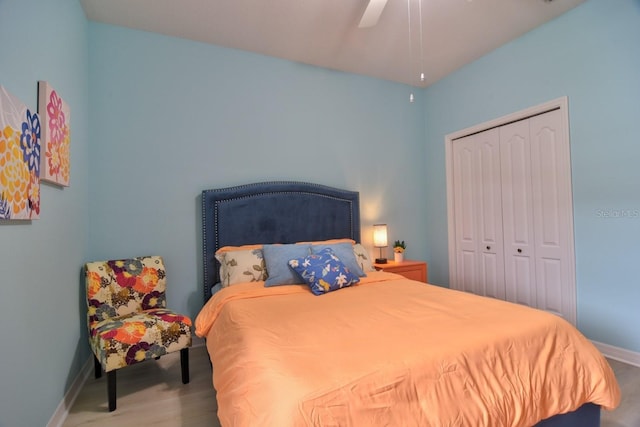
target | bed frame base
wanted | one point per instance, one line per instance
(588, 415)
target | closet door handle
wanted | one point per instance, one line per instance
(519, 250)
(488, 248)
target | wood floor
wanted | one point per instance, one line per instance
(152, 393)
(628, 413)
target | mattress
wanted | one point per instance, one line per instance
(392, 351)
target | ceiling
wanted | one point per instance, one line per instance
(325, 33)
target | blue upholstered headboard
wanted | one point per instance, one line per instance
(274, 212)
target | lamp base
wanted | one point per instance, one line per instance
(381, 260)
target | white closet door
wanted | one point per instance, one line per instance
(552, 213)
(511, 209)
(478, 214)
(465, 214)
(489, 215)
(517, 213)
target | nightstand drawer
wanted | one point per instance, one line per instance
(414, 270)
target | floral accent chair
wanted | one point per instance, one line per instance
(128, 320)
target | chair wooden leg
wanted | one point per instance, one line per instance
(111, 390)
(97, 368)
(184, 364)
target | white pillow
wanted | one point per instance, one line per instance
(362, 257)
(241, 266)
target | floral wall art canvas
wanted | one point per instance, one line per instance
(55, 116)
(19, 159)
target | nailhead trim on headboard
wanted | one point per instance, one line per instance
(213, 199)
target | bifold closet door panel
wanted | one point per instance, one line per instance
(478, 214)
(517, 213)
(489, 218)
(465, 215)
(552, 211)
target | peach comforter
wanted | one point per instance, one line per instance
(392, 351)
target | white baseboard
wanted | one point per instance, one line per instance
(61, 412)
(620, 354)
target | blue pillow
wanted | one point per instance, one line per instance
(276, 258)
(344, 251)
(323, 272)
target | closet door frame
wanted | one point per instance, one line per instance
(556, 104)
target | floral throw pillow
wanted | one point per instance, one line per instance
(241, 267)
(345, 252)
(323, 272)
(362, 258)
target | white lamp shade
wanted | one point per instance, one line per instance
(380, 235)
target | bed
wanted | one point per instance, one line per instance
(383, 351)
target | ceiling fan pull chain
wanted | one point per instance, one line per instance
(421, 48)
(411, 97)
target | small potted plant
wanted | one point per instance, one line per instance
(398, 250)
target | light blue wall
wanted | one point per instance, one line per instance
(591, 55)
(42, 337)
(172, 117)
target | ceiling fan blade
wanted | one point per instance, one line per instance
(372, 13)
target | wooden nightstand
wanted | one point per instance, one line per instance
(415, 270)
